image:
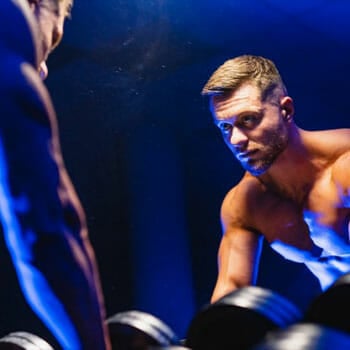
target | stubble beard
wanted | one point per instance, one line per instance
(270, 148)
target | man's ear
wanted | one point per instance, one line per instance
(287, 107)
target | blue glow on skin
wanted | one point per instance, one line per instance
(324, 236)
(34, 286)
(328, 259)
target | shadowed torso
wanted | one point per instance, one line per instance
(313, 231)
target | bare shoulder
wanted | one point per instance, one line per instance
(340, 170)
(242, 201)
(334, 147)
(332, 143)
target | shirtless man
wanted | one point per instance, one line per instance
(295, 192)
(42, 220)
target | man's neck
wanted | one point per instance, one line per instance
(295, 170)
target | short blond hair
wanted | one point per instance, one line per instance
(257, 70)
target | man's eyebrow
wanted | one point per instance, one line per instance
(245, 112)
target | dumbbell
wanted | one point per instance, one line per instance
(137, 330)
(240, 319)
(332, 307)
(171, 347)
(305, 336)
(23, 341)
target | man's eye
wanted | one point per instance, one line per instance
(225, 127)
(249, 120)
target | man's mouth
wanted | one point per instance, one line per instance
(246, 154)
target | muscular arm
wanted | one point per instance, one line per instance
(43, 223)
(239, 252)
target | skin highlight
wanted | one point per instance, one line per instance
(44, 224)
(293, 193)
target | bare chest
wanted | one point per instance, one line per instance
(302, 232)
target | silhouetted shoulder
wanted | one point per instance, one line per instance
(23, 93)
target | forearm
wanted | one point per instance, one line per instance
(55, 263)
(221, 289)
(238, 261)
(61, 288)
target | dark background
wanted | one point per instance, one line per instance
(138, 140)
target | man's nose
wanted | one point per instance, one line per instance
(238, 137)
(57, 35)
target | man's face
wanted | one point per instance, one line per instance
(255, 131)
(50, 15)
